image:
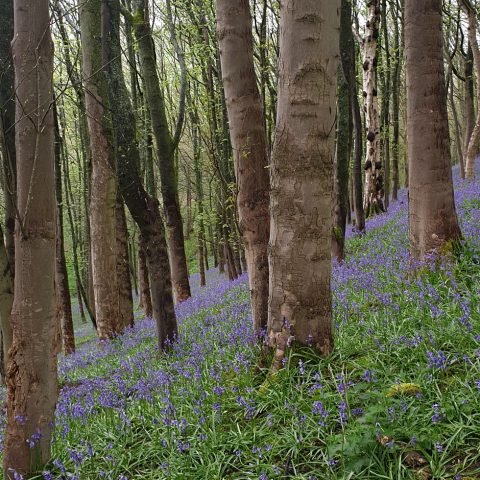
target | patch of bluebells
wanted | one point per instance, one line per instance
(217, 319)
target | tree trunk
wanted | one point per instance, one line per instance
(166, 146)
(144, 284)
(247, 134)
(348, 62)
(143, 208)
(32, 367)
(344, 135)
(432, 216)
(473, 144)
(396, 112)
(103, 188)
(300, 302)
(64, 306)
(125, 300)
(385, 116)
(373, 201)
(469, 100)
(7, 142)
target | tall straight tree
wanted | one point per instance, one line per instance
(432, 215)
(300, 303)
(64, 305)
(166, 146)
(143, 207)
(247, 133)
(344, 130)
(373, 193)
(7, 145)
(32, 367)
(103, 183)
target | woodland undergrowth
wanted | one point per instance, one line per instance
(399, 398)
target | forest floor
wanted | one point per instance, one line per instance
(399, 398)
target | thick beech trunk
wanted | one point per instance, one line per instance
(143, 208)
(32, 369)
(300, 303)
(125, 300)
(247, 134)
(166, 146)
(64, 306)
(7, 143)
(432, 216)
(103, 187)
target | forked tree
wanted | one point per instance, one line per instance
(432, 216)
(300, 304)
(249, 143)
(32, 367)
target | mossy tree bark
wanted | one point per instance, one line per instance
(143, 207)
(300, 304)
(32, 368)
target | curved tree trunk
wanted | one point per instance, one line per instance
(300, 302)
(103, 187)
(247, 133)
(166, 146)
(32, 367)
(143, 208)
(432, 215)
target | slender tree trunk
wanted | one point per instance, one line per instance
(125, 300)
(432, 216)
(143, 208)
(103, 189)
(166, 146)
(396, 112)
(344, 134)
(385, 116)
(64, 306)
(247, 134)
(348, 62)
(32, 369)
(144, 284)
(456, 122)
(473, 144)
(302, 161)
(469, 99)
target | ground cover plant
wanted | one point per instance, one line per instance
(399, 398)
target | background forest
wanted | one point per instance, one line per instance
(241, 239)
